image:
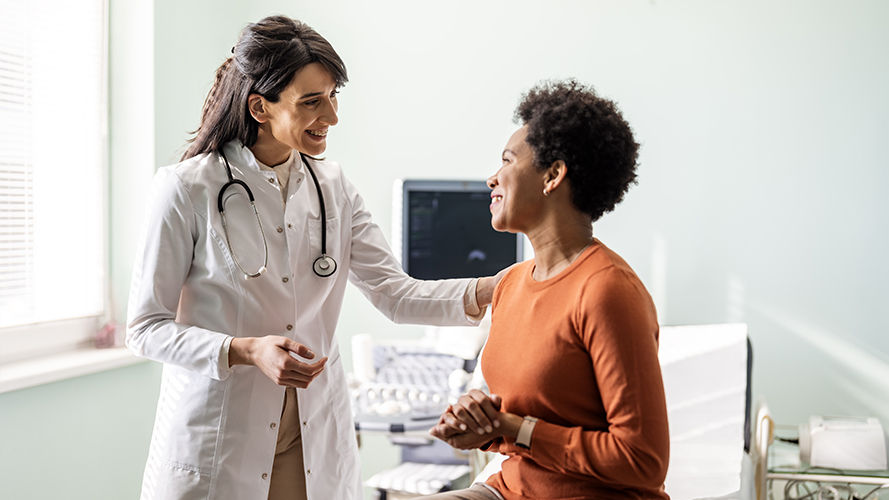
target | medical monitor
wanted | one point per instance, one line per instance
(445, 230)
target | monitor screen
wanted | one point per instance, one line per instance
(447, 233)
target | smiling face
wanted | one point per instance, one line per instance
(306, 108)
(517, 187)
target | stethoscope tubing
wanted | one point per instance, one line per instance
(323, 266)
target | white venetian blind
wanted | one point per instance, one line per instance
(52, 160)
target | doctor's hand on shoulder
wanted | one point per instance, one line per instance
(485, 288)
(274, 356)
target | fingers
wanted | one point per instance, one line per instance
(477, 411)
(451, 426)
(497, 401)
(300, 349)
(286, 362)
(300, 379)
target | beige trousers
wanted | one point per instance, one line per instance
(288, 474)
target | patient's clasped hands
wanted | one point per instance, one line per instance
(474, 420)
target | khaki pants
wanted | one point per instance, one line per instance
(288, 474)
(477, 491)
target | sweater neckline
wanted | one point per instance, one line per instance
(529, 274)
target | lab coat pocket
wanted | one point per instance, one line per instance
(333, 241)
(190, 415)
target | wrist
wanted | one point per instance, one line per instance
(509, 425)
(484, 291)
(240, 351)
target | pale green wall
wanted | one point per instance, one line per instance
(80, 439)
(761, 195)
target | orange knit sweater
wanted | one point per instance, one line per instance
(579, 352)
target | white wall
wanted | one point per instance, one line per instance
(763, 164)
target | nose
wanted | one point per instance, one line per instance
(492, 180)
(328, 114)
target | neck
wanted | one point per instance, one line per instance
(558, 242)
(268, 150)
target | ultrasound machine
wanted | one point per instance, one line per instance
(441, 229)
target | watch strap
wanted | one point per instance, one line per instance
(523, 439)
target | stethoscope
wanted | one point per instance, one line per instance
(323, 266)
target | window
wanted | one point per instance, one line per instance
(53, 166)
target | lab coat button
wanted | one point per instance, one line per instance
(265, 476)
(289, 226)
(308, 471)
(280, 229)
(271, 180)
(273, 425)
(305, 422)
(289, 327)
(285, 279)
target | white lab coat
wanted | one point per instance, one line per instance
(216, 427)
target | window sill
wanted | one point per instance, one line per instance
(64, 365)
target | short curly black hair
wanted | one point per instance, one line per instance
(568, 121)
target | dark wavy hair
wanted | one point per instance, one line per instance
(568, 121)
(264, 60)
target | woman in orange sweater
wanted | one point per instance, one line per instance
(577, 399)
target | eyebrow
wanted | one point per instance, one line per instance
(507, 150)
(313, 94)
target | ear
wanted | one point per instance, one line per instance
(256, 104)
(555, 175)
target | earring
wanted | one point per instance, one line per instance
(545, 192)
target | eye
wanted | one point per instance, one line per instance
(334, 93)
(311, 102)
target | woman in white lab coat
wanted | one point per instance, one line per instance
(239, 415)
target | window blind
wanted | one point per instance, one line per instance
(52, 160)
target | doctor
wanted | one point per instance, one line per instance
(241, 306)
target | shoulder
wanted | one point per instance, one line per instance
(201, 169)
(610, 289)
(193, 181)
(512, 280)
(607, 276)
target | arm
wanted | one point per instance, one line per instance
(379, 276)
(159, 274)
(162, 264)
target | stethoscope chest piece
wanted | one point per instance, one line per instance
(324, 266)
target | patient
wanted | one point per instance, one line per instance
(577, 400)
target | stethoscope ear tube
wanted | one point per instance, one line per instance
(228, 185)
(232, 182)
(323, 266)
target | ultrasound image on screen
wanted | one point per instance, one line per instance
(450, 236)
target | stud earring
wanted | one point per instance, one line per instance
(545, 192)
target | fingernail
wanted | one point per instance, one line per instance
(496, 423)
(481, 431)
(489, 428)
(462, 427)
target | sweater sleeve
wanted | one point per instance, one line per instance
(618, 325)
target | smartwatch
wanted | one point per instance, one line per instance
(523, 439)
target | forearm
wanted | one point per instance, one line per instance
(240, 351)
(605, 455)
(190, 347)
